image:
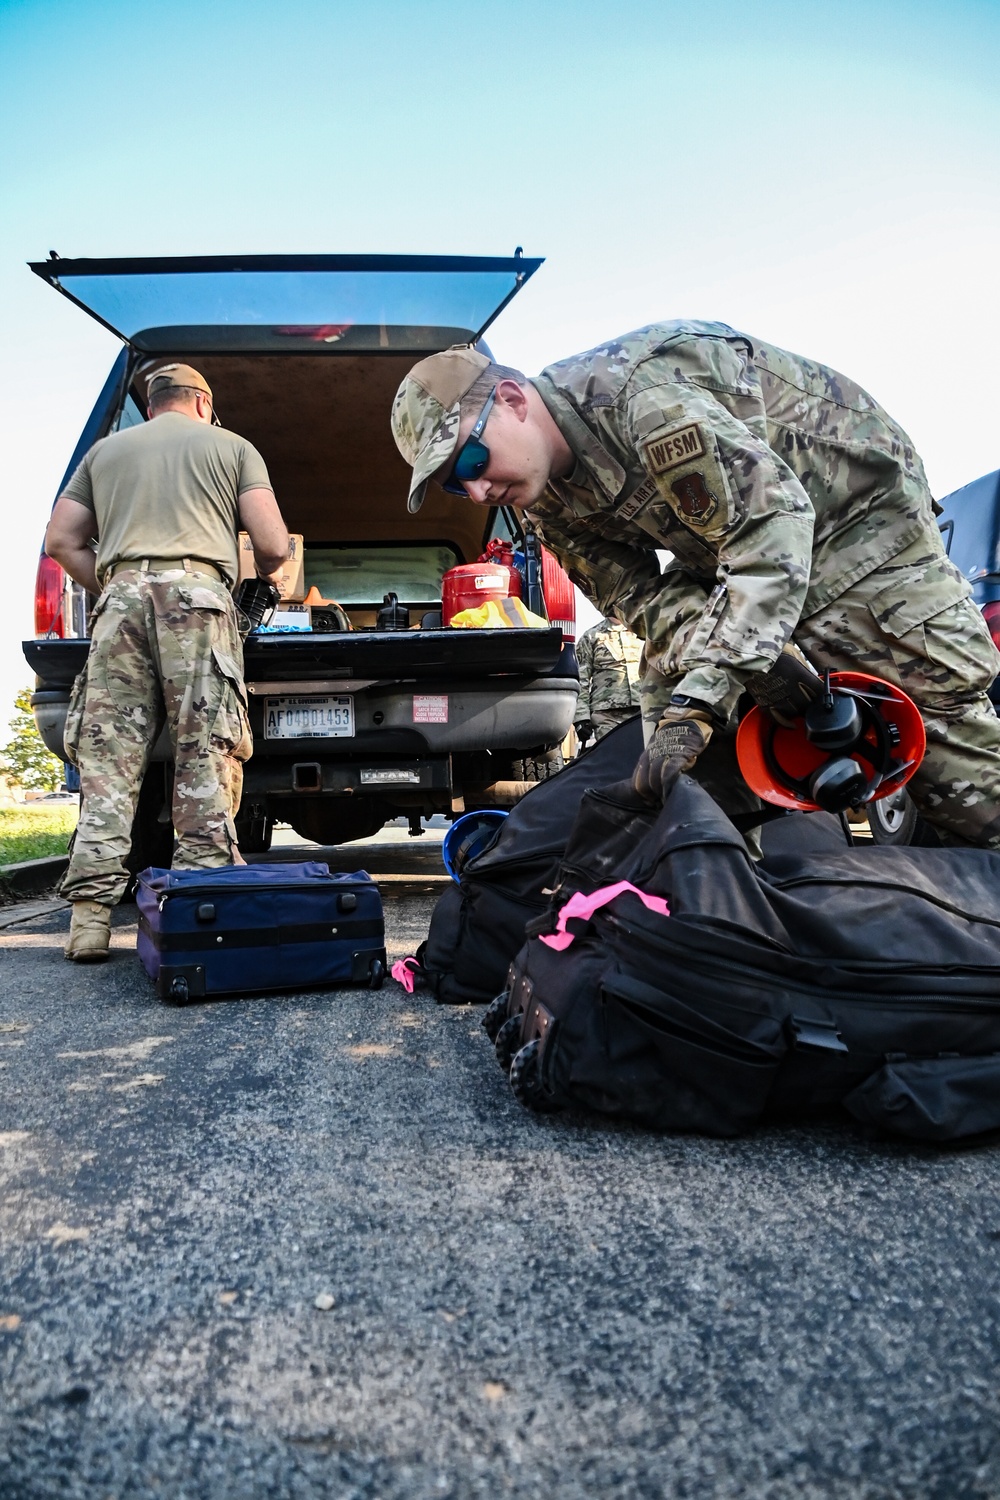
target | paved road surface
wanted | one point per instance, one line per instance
(520, 1307)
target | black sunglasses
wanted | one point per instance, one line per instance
(473, 456)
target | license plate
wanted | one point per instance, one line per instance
(309, 718)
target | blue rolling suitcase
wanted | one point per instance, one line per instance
(244, 929)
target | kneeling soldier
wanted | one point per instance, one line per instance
(796, 511)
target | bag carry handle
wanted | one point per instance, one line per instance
(585, 906)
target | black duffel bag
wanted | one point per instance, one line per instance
(478, 924)
(868, 978)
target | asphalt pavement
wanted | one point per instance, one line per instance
(311, 1246)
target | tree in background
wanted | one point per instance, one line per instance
(24, 760)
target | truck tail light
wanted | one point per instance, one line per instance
(50, 592)
(560, 598)
(991, 614)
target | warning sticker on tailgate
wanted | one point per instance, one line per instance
(430, 709)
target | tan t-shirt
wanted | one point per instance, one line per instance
(168, 489)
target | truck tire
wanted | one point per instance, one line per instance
(541, 766)
(894, 821)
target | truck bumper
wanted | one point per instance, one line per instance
(392, 719)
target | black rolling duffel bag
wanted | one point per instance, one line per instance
(248, 929)
(478, 925)
(868, 978)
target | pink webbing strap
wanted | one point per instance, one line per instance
(585, 906)
(404, 971)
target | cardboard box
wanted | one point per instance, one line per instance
(290, 581)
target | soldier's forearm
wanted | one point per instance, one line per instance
(262, 520)
(69, 541)
(80, 563)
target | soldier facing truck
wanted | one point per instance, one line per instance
(799, 520)
(164, 502)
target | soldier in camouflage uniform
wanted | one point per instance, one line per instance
(797, 514)
(608, 656)
(164, 502)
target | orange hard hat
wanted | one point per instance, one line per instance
(863, 740)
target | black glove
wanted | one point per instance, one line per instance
(584, 730)
(679, 738)
(787, 690)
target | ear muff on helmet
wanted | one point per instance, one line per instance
(861, 741)
(840, 784)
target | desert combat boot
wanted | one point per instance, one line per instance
(89, 933)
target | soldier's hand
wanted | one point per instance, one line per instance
(679, 738)
(584, 730)
(787, 690)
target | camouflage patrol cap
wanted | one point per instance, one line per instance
(428, 409)
(182, 376)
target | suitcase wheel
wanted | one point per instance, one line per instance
(179, 992)
(493, 1019)
(526, 1078)
(508, 1039)
(376, 974)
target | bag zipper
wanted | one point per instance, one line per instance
(724, 970)
(882, 885)
(514, 863)
(775, 947)
(228, 890)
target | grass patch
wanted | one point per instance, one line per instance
(35, 830)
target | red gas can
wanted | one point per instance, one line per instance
(502, 552)
(494, 576)
(472, 584)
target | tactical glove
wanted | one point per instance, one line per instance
(787, 690)
(584, 730)
(679, 738)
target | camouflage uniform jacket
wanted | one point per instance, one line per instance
(608, 656)
(775, 483)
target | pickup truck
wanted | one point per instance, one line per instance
(351, 727)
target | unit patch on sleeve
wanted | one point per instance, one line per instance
(683, 462)
(697, 503)
(672, 449)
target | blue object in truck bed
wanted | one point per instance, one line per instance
(251, 929)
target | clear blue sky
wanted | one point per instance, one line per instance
(823, 175)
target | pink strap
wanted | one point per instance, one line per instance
(585, 906)
(403, 970)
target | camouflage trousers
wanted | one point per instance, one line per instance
(165, 650)
(912, 623)
(606, 719)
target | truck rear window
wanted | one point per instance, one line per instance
(364, 575)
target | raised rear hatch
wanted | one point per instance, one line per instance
(292, 303)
